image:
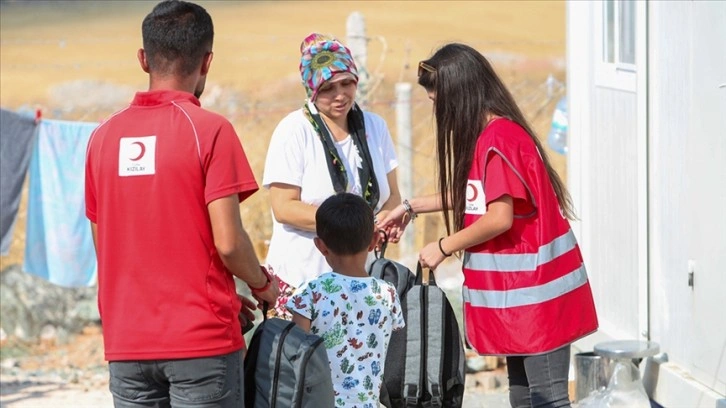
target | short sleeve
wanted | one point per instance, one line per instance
(501, 180)
(301, 302)
(227, 170)
(90, 186)
(285, 161)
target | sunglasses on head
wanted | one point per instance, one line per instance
(422, 66)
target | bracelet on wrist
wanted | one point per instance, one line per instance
(409, 210)
(266, 286)
(442, 248)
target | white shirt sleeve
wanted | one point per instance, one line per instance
(285, 160)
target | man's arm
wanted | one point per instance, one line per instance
(235, 248)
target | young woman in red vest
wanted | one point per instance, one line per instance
(526, 293)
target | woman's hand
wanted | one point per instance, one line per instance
(393, 222)
(431, 256)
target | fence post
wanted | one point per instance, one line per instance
(357, 42)
(405, 161)
(551, 82)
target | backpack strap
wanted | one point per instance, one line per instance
(411, 390)
(433, 306)
(383, 245)
(413, 374)
(424, 278)
(435, 345)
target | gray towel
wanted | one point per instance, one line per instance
(16, 141)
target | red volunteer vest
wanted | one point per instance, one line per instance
(525, 291)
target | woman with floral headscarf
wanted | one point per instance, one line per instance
(327, 146)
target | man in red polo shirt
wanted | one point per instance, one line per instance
(164, 179)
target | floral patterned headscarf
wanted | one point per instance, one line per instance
(322, 58)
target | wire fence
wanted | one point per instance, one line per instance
(255, 110)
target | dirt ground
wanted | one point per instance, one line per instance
(50, 375)
(75, 376)
(75, 60)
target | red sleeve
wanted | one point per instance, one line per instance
(501, 180)
(90, 195)
(228, 171)
(89, 184)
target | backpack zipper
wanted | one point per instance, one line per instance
(275, 381)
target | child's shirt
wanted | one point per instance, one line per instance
(355, 317)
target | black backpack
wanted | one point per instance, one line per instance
(286, 367)
(432, 372)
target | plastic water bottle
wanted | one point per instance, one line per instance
(557, 138)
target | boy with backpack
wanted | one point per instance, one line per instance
(353, 312)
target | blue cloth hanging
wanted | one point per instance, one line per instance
(59, 244)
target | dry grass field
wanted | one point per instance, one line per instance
(76, 60)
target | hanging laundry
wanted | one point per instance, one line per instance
(16, 142)
(59, 244)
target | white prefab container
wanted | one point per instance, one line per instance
(647, 171)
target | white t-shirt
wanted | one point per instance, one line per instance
(296, 156)
(355, 317)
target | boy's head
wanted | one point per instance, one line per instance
(344, 222)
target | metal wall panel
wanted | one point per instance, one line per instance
(668, 123)
(685, 190)
(688, 185)
(612, 212)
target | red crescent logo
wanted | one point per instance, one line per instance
(471, 193)
(141, 153)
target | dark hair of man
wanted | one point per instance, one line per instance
(177, 34)
(344, 222)
(467, 89)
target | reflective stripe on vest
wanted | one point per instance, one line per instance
(499, 299)
(521, 262)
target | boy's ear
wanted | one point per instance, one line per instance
(321, 246)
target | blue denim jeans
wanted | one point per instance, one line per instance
(539, 381)
(209, 382)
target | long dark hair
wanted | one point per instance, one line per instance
(467, 91)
